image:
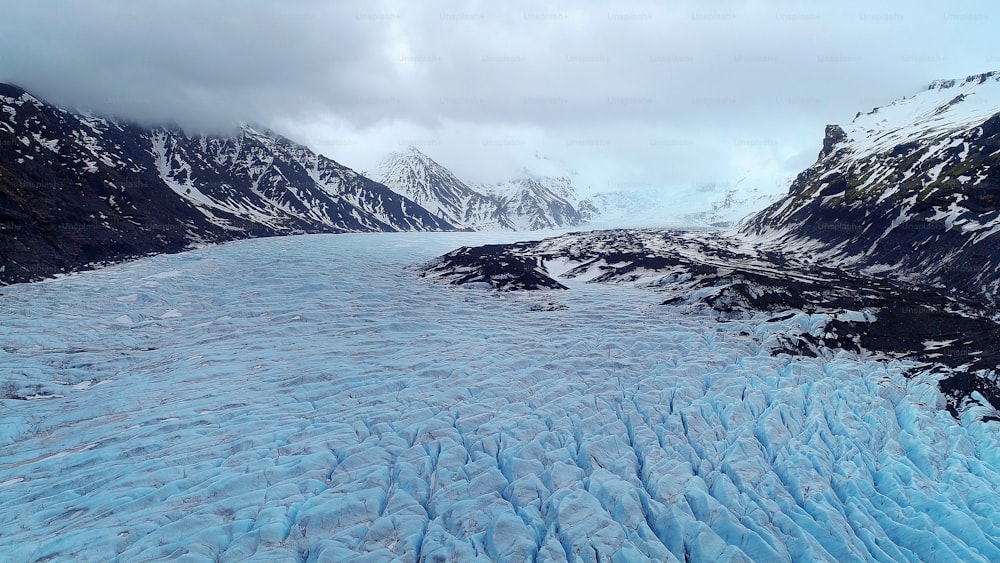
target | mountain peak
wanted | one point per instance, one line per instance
(256, 130)
(417, 176)
(410, 155)
(833, 136)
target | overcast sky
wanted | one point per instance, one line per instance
(631, 95)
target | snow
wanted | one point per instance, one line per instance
(945, 107)
(308, 398)
(50, 144)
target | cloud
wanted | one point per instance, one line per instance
(657, 94)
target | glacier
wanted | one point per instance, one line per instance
(309, 398)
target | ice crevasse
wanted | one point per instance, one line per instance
(308, 398)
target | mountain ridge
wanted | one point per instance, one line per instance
(78, 190)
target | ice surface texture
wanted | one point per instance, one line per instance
(734, 277)
(307, 398)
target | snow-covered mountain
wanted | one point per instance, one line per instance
(911, 189)
(79, 189)
(526, 203)
(534, 203)
(418, 177)
(539, 201)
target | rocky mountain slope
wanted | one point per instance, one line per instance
(911, 189)
(78, 190)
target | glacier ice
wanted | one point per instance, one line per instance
(308, 398)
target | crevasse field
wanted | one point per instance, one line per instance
(309, 398)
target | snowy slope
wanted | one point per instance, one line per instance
(234, 403)
(912, 188)
(732, 206)
(944, 108)
(418, 177)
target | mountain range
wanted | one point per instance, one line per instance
(528, 202)
(78, 190)
(910, 190)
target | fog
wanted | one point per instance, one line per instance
(639, 95)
